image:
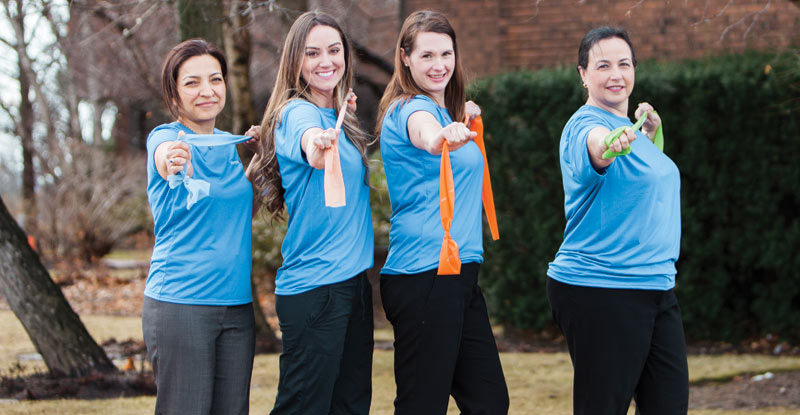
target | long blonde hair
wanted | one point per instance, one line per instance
(402, 86)
(290, 86)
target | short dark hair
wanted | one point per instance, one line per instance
(175, 58)
(597, 34)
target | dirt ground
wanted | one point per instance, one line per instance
(744, 392)
(95, 292)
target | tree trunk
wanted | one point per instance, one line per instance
(68, 49)
(203, 19)
(121, 130)
(54, 328)
(98, 107)
(238, 50)
(25, 131)
(266, 340)
(25, 126)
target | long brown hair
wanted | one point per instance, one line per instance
(402, 86)
(289, 86)
(172, 63)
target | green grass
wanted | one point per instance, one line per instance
(130, 254)
(539, 383)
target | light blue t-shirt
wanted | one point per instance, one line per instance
(624, 224)
(323, 245)
(412, 176)
(202, 255)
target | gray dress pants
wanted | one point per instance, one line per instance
(202, 356)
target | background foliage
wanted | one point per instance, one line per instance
(731, 125)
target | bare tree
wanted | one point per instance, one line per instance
(23, 120)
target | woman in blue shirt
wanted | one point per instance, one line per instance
(610, 286)
(323, 298)
(197, 315)
(443, 340)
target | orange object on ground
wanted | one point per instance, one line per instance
(449, 261)
(32, 243)
(130, 365)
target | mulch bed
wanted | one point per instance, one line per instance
(95, 386)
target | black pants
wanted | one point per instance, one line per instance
(624, 344)
(326, 364)
(443, 344)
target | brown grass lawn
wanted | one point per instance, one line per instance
(540, 383)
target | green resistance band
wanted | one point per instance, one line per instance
(658, 140)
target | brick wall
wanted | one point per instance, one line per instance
(497, 35)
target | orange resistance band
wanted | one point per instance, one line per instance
(449, 261)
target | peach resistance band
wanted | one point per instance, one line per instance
(333, 181)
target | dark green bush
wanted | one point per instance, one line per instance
(731, 125)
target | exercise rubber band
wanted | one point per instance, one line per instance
(449, 261)
(658, 138)
(199, 188)
(333, 181)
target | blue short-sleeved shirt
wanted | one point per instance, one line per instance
(412, 176)
(623, 224)
(323, 245)
(202, 255)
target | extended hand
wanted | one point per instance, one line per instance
(325, 138)
(472, 110)
(178, 155)
(653, 120)
(255, 132)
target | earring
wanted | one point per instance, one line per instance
(584, 86)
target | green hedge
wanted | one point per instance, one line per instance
(731, 125)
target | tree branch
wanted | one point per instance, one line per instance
(718, 14)
(13, 117)
(126, 32)
(740, 21)
(628, 13)
(7, 43)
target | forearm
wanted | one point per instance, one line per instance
(431, 143)
(314, 155)
(595, 145)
